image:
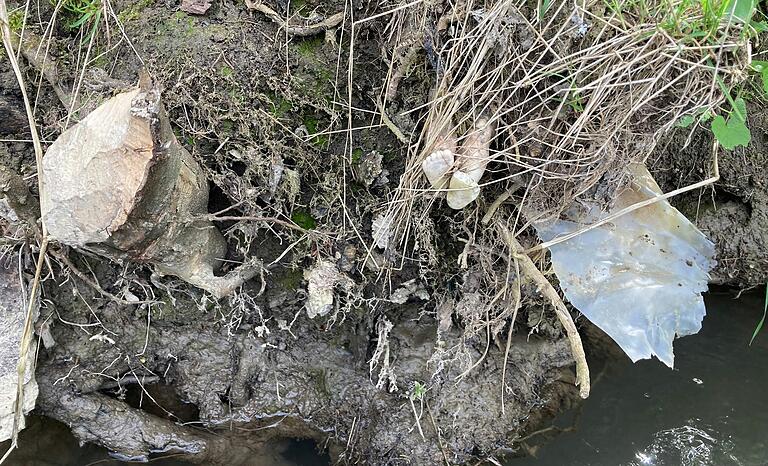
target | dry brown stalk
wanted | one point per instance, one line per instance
(529, 269)
(26, 340)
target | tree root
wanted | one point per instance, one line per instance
(404, 57)
(134, 433)
(221, 287)
(38, 56)
(530, 270)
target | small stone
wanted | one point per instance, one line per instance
(322, 278)
(368, 169)
(195, 7)
(347, 258)
(408, 289)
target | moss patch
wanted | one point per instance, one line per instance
(280, 105)
(312, 124)
(304, 219)
(309, 47)
(16, 20)
(134, 11)
(290, 279)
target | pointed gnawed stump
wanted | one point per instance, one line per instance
(119, 183)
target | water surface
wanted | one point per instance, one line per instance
(711, 410)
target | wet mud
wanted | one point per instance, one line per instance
(220, 380)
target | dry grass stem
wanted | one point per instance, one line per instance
(529, 269)
(32, 300)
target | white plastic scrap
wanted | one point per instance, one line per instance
(381, 230)
(638, 277)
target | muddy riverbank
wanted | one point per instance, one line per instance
(425, 354)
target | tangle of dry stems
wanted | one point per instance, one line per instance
(576, 94)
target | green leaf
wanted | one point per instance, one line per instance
(731, 134)
(764, 76)
(304, 219)
(762, 67)
(81, 21)
(686, 121)
(419, 390)
(741, 10)
(545, 4)
(759, 26)
(759, 65)
(726, 91)
(762, 321)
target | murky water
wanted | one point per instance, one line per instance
(711, 410)
(46, 442)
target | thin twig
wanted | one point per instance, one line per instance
(639, 205)
(236, 218)
(517, 296)
(390, 124)
(437, 432)
(93, 284)
(418, 419)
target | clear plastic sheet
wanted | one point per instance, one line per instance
(638, 277)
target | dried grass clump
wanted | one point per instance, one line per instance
(577, 91)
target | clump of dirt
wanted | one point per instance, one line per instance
(734, 212)
(258, 383)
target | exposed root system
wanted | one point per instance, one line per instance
(350, 215)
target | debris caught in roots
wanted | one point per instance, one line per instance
(640, 277)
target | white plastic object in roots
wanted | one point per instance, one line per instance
(460, 169)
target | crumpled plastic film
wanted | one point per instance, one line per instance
(638, 277)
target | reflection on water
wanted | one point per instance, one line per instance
(686, 446)
(711, 410)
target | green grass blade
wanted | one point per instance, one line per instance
(762, 321)
(85, 17)
(543, 8)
